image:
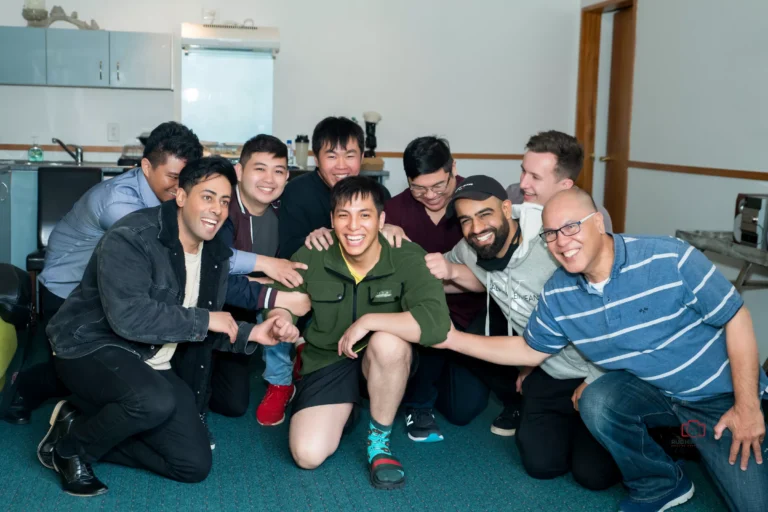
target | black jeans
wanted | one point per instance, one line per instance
(552, 438)
(37, 381)
(135, 416)
(459, 386)
(230, 384)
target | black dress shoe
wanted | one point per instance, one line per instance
(61, 421)
(77, 477)
(17, 413)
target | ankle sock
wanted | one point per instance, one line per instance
(378, 439)
(378, 444)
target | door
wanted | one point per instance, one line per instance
(619, 118)
(22, 56)
(140, 60)
(77, 58)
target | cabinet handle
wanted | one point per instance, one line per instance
(118, 71)
(100, 77)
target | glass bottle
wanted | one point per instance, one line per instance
(35, 153)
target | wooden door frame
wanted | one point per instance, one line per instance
(586, 101)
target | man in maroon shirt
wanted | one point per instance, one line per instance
(457, 386)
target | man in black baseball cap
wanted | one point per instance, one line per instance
(478, 188)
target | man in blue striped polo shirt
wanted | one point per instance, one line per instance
(681, 344)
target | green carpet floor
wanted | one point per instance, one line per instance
(252, 470)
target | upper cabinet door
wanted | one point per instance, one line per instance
(78, 58)
(22, 56)
(140, 60)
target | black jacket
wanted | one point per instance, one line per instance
(131, 297)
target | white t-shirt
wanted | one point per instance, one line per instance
(162, 360)
(599, 287)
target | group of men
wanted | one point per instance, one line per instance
(431, 299)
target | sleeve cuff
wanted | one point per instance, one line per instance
(267, 297)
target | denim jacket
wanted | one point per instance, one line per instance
(132, 293)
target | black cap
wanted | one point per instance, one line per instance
(478, 188)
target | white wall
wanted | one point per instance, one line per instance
(486, 75)
(699, 99)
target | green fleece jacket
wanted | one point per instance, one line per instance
(399, 282)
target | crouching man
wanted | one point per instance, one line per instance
(133, 341)
(371, 303)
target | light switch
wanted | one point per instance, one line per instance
(113, 132)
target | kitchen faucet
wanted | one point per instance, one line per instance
(77, 155)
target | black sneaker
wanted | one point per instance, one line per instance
(421, 426)
(506, 423)
(204, 419)
(61, 421)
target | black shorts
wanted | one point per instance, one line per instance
(340, 383)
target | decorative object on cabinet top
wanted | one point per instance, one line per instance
(35, 13)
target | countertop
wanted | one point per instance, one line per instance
(20, 165)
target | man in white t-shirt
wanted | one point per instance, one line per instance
(134, 340)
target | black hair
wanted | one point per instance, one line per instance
(336, 131)
(263, 143)
(426, 155)
(354, 187)
(174, 139)
(205, 168)
(566, 148)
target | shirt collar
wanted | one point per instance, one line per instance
(148, 197)
(240, 201)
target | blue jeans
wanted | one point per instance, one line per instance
(279, 367)
(619, 408)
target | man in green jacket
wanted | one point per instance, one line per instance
(371, 304)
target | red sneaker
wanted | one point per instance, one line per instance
(271, 410)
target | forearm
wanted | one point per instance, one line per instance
(743, 355)
(282, 313)
(463, 280)
(402, 325)
(449, 287)
(503, 350)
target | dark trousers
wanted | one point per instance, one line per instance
(552, 438)
(230, 384)
(135, 416)
(459, 386)
(37, 381)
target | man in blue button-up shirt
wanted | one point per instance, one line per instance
(169, 147)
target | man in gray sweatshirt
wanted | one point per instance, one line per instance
(502, 255)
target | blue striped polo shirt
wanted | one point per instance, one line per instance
(661, 317)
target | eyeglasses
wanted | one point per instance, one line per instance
(550, 235)
(438, 189)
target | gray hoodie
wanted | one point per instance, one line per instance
(516, 289)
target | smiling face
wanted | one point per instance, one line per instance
(434, 190)
(203, 210)
(580, 252)
(163, 179)
(485, 224)
(335, 164)
(262, 178)
(539, 180)
(357, 224)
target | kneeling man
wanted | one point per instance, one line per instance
(371, 304)
(134, 339)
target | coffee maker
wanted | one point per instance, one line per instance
(370, 161)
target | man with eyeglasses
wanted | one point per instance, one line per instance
(420, 212)
(679, 343)
(502, 254)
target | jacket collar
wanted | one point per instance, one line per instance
(169, 233)
(334, 261)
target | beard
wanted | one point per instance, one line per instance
(500, 235)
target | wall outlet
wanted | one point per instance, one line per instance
(113, 132)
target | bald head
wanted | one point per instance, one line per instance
(566, 206)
